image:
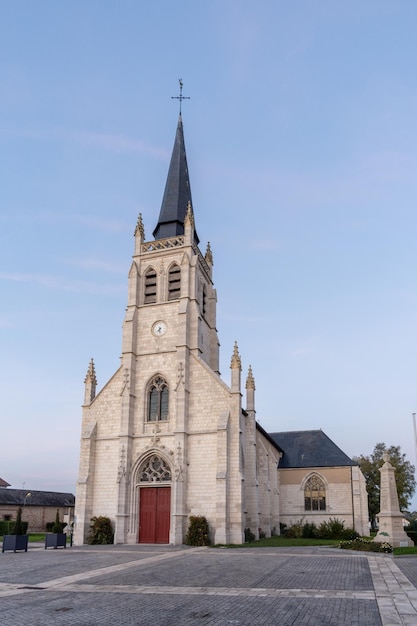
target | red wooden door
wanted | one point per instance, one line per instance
(154, 516)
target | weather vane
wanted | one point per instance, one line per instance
(180, 97)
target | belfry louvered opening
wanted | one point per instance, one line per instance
(174, 282)
(150, 286)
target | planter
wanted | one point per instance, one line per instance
(15, 543)
(55, 540)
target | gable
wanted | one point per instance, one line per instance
(309, 448)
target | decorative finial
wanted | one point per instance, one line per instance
(91, 373)
(250, 381)
(235, 362)
(189, 216)
(180, 97)
(140, 228)
(90, 382)
(209, 254)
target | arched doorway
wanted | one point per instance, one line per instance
(154, 500)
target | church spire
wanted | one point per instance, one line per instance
(177, 193)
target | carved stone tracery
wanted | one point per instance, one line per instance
(154, 470)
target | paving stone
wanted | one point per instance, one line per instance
(179, 586)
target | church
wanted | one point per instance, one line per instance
(167, 438)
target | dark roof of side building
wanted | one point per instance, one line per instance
(3, 483)
(269, 437)
(309, 448)
(20, 497)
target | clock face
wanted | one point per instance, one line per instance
(159, 329)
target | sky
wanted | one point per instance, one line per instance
(301, 139)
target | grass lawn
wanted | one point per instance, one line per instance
(401, 551)
(282, 542)
(35, 537)
(32, 537)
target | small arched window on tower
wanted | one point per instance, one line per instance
(315, 494)
(158, 395)
(150, 286)
(174, 282)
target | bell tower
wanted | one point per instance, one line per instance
(171, 299)
(170, 321)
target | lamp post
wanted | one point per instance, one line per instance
(28, 495)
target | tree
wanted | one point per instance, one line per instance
(18, 525)
(404, 477)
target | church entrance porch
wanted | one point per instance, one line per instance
(154, 514)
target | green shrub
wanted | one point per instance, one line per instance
(5, 527)
(309, 531)
(198, 531)
(101, 531)
(57, 526)
(18, 527)
(262, 534)
(8, 527)
(249, 536)
(365, 545)
(349, 534)
(412, 534)
(333, 529)
(295, 531)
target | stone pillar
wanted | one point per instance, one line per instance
(390, 517)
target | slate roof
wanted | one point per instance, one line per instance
(16, 497)
(177, 192)
(309, 448)
(267, 436)
(3, 483)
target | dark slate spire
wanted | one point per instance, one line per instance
(177, 193)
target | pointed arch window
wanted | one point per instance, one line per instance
(150, 286)
(154, 470)
(158, 396)
(315, 494)
(204, 303)
(174, 282)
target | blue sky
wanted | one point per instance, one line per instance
(301, 136)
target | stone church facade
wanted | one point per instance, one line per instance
(166, 437)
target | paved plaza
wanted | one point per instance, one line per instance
(170, 586)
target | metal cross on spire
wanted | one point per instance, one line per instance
(180, 97)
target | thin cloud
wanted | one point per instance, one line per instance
(59, 284)
(117, 143)
(111, 142)
(97, 264)
(90, 221)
